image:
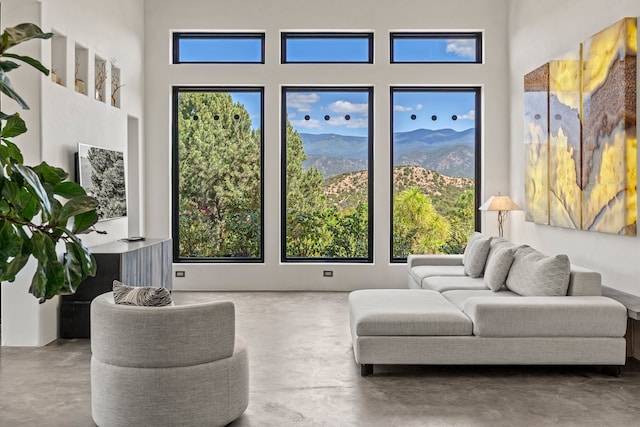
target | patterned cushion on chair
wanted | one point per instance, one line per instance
(141, 296)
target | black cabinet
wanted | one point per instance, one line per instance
(143, 263)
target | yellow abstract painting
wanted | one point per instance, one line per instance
(536, 145)
(565, 203)
(592, 154)
(609, 130)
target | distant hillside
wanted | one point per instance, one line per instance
(445, 151)
(457, 160)
(332, 166)
(349, 189)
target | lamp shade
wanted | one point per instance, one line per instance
(499, 203)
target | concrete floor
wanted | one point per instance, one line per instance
(303, 373)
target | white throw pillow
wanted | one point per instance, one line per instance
(477, 256)
(534, 274)
(497, 268)
(474, 236)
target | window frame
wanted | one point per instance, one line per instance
(175, 175)
(477, 152)
(283, 174)
(182, 35)
(287, 35)
(431, 35)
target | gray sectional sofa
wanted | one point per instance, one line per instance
(499, 303)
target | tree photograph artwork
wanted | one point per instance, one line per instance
(102, 175)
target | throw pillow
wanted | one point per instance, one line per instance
(474, 236)
(534, 274)
(477, 256)
(141, 296)
(498, 266)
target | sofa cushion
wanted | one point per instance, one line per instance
(497, 268)
(589, 316)
(458, 297)
(444, 283)
(420, 272)
(390, 312)
(141, 296)
(467, 249)
(476, 256)
(499, 243)
(534, 274)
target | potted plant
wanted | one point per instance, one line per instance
(39, 207)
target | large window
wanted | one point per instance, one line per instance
(436, 47)
(218, 174)
(327, 174)
(212, 48)
(327, 48)
(435, 169)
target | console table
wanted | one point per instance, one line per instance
(141, 263)
(632, 303)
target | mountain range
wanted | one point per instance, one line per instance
(445, 151)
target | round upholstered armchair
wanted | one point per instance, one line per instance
(166, 366)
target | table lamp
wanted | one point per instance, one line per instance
(502, 204)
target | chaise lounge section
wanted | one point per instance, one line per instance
(544, 312)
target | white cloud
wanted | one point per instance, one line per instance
(462, 48)
(348, 107)
(302, 102)
(306, 124)
(419, 107)
(471, 115)
(402, 108)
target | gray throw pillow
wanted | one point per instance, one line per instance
(534, 274)
(497, 268)
(474, 236)
(141, 296)
(477, 256)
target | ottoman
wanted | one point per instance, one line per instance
(400, 313)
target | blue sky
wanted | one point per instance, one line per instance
(425, 104)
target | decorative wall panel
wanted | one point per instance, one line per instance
(536, 143)
(591, 110)
(609, 130)
(564, 141)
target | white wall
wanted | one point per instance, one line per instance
(60, 118)
(541, 30)
(164, 16)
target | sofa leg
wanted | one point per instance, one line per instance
(613, 370)
(366, 369)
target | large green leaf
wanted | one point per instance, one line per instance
(15, 126)
(31, 61)
(87, 261)
(11, 151)
(50, 174)
(33, 180)
(21, 33)
(83, 222)
(78, 264)
(49, 275)
(69, 189)
(7, 89)
(8, 65)
(9, 270)
(76, 206)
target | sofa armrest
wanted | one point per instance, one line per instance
(579, 316)
(583, 281)
(415, 260)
